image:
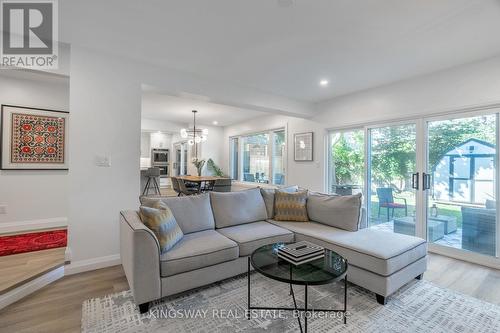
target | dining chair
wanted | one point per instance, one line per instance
(184, 189)
(175, 185)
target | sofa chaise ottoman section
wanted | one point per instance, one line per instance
(380, 253)
(251, 236)
(197, 250)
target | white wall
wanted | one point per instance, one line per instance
(34, 195)
(212, 148)
(105, 101)
(471, 85)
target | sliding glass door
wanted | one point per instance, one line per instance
(434, 178)
(346, 162)
(392, 178)
(460, 183)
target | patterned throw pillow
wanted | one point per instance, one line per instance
(162, 222)
(290, 206)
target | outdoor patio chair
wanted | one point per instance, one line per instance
(386, 200)
(279, 179)
(222, 185)
(248, 177)
(479, 230)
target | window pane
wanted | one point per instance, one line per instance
(461, 167)
(347, 167)
(233, 143)
(279, 158)
(462, 200)
(256, 158)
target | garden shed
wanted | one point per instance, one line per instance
(466, 173)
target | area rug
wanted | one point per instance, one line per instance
(35, 241)
(418, 307)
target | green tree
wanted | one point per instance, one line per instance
(348, 158)
(448, 134)
(393, 155)
(393, 149)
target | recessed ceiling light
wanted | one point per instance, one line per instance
(215, 122)
(323, 82)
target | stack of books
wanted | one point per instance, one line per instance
(301, 252)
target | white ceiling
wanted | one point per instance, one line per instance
(286, 50)
(178, 110)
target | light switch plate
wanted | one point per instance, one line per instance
(103, 161)
(3, 208)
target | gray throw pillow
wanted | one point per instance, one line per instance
(268, 195)
(163, 224)
(342, 212)
(233, 208)
(193, 213)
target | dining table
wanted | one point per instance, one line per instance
(201, 180)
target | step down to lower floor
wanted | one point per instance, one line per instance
(19, 269)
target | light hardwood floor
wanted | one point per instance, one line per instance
(57, 307)
(19, 268)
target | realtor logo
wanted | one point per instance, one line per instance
(29, 34)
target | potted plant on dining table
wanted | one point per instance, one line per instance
(198, 164)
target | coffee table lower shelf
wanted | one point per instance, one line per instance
(304, 310)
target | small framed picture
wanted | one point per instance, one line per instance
(33, 139)
(303, 143)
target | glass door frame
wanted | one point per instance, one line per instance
(420, 229)
(421, 198)
(450, 251)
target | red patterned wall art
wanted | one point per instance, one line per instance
(33, 138)
(36, 241)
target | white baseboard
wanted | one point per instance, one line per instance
(30, 287)
(92, 264)
(31, 225)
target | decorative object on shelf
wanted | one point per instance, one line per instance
(434, 210)
(33, 139)
(214, 168)
(198, 164)
(303, 144)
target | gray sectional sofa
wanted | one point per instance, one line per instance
(222, 229)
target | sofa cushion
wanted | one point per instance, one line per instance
(337, 211)
(233, 208)
(197, 250)
(380, 252)
(193, 213)
(163, 224)
(253, 235)
(290, 206)
(268, 195)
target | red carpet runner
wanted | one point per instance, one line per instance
(15, 244)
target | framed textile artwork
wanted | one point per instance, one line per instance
(303, 146)
(33, 139)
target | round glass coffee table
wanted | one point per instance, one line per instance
(332, 267)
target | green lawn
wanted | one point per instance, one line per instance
(443, 209)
